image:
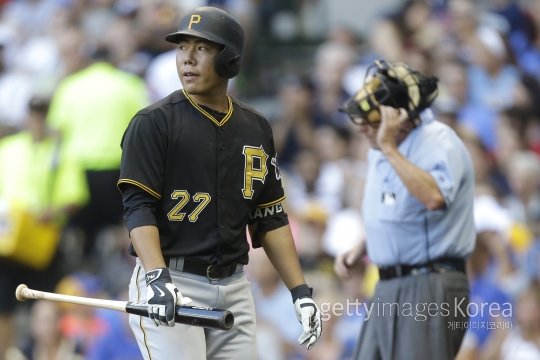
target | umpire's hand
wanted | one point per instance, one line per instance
(348, 260)
(162, 297)
(308, 314)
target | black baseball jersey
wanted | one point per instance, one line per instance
(210, 176)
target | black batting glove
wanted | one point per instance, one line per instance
(162, 296)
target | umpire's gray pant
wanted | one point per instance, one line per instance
(416, 317)
(183, 342)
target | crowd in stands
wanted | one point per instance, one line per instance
(74, 72)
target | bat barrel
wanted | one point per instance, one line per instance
(192, 315)
(206, 317)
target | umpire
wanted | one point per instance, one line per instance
(417, 210)
(198, 167)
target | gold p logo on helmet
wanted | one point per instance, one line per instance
(195, 19)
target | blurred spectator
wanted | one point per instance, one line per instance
(74, 51)
(385, 40)
(331, 63)
(97, 19)
(523, 36)
(410, 27)
(114, 263)
(344, 229)
(39, 14)
(154, 20)
(486, 169)
(523, 341)
(116, 342)
(494, 225)
(45, 185)
(15, 87)
(515, 132)
(295, 121)
(455, 90)
(524, 179)
(344, 35)
(345, 226)
(527, 95)
(305, 183)
(308, 227)
(91, 108)
(46, 341)
(531, 259)
(161, 78)
(491, 76)
(493, 275)
(124, 46)
(317, 175)
(463, 18)
(510, 127)
(331, 144)
(83, 324)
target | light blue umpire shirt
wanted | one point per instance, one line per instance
(399, 228)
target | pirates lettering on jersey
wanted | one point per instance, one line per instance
(254, 169)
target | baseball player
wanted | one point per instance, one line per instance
(198, 167)
(417, 211)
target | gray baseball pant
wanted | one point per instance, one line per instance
(183, 342)
(416, 317)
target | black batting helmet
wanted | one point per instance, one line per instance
(217, 26)
(394, 85)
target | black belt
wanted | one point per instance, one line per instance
(436, 266)
(203, 268)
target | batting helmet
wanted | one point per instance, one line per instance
(394, 85)
(219, 27)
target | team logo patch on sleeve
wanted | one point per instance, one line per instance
(274, 162)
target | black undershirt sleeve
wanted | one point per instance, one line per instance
(139, 207)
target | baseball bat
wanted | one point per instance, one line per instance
(190, 315)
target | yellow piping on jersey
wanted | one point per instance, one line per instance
(142, 186)
(272, 202)
(207, 114)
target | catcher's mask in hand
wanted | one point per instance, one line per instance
(394, 85)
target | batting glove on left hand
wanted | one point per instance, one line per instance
(162, 296)
(308, 314)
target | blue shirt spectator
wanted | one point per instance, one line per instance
(117, 343)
